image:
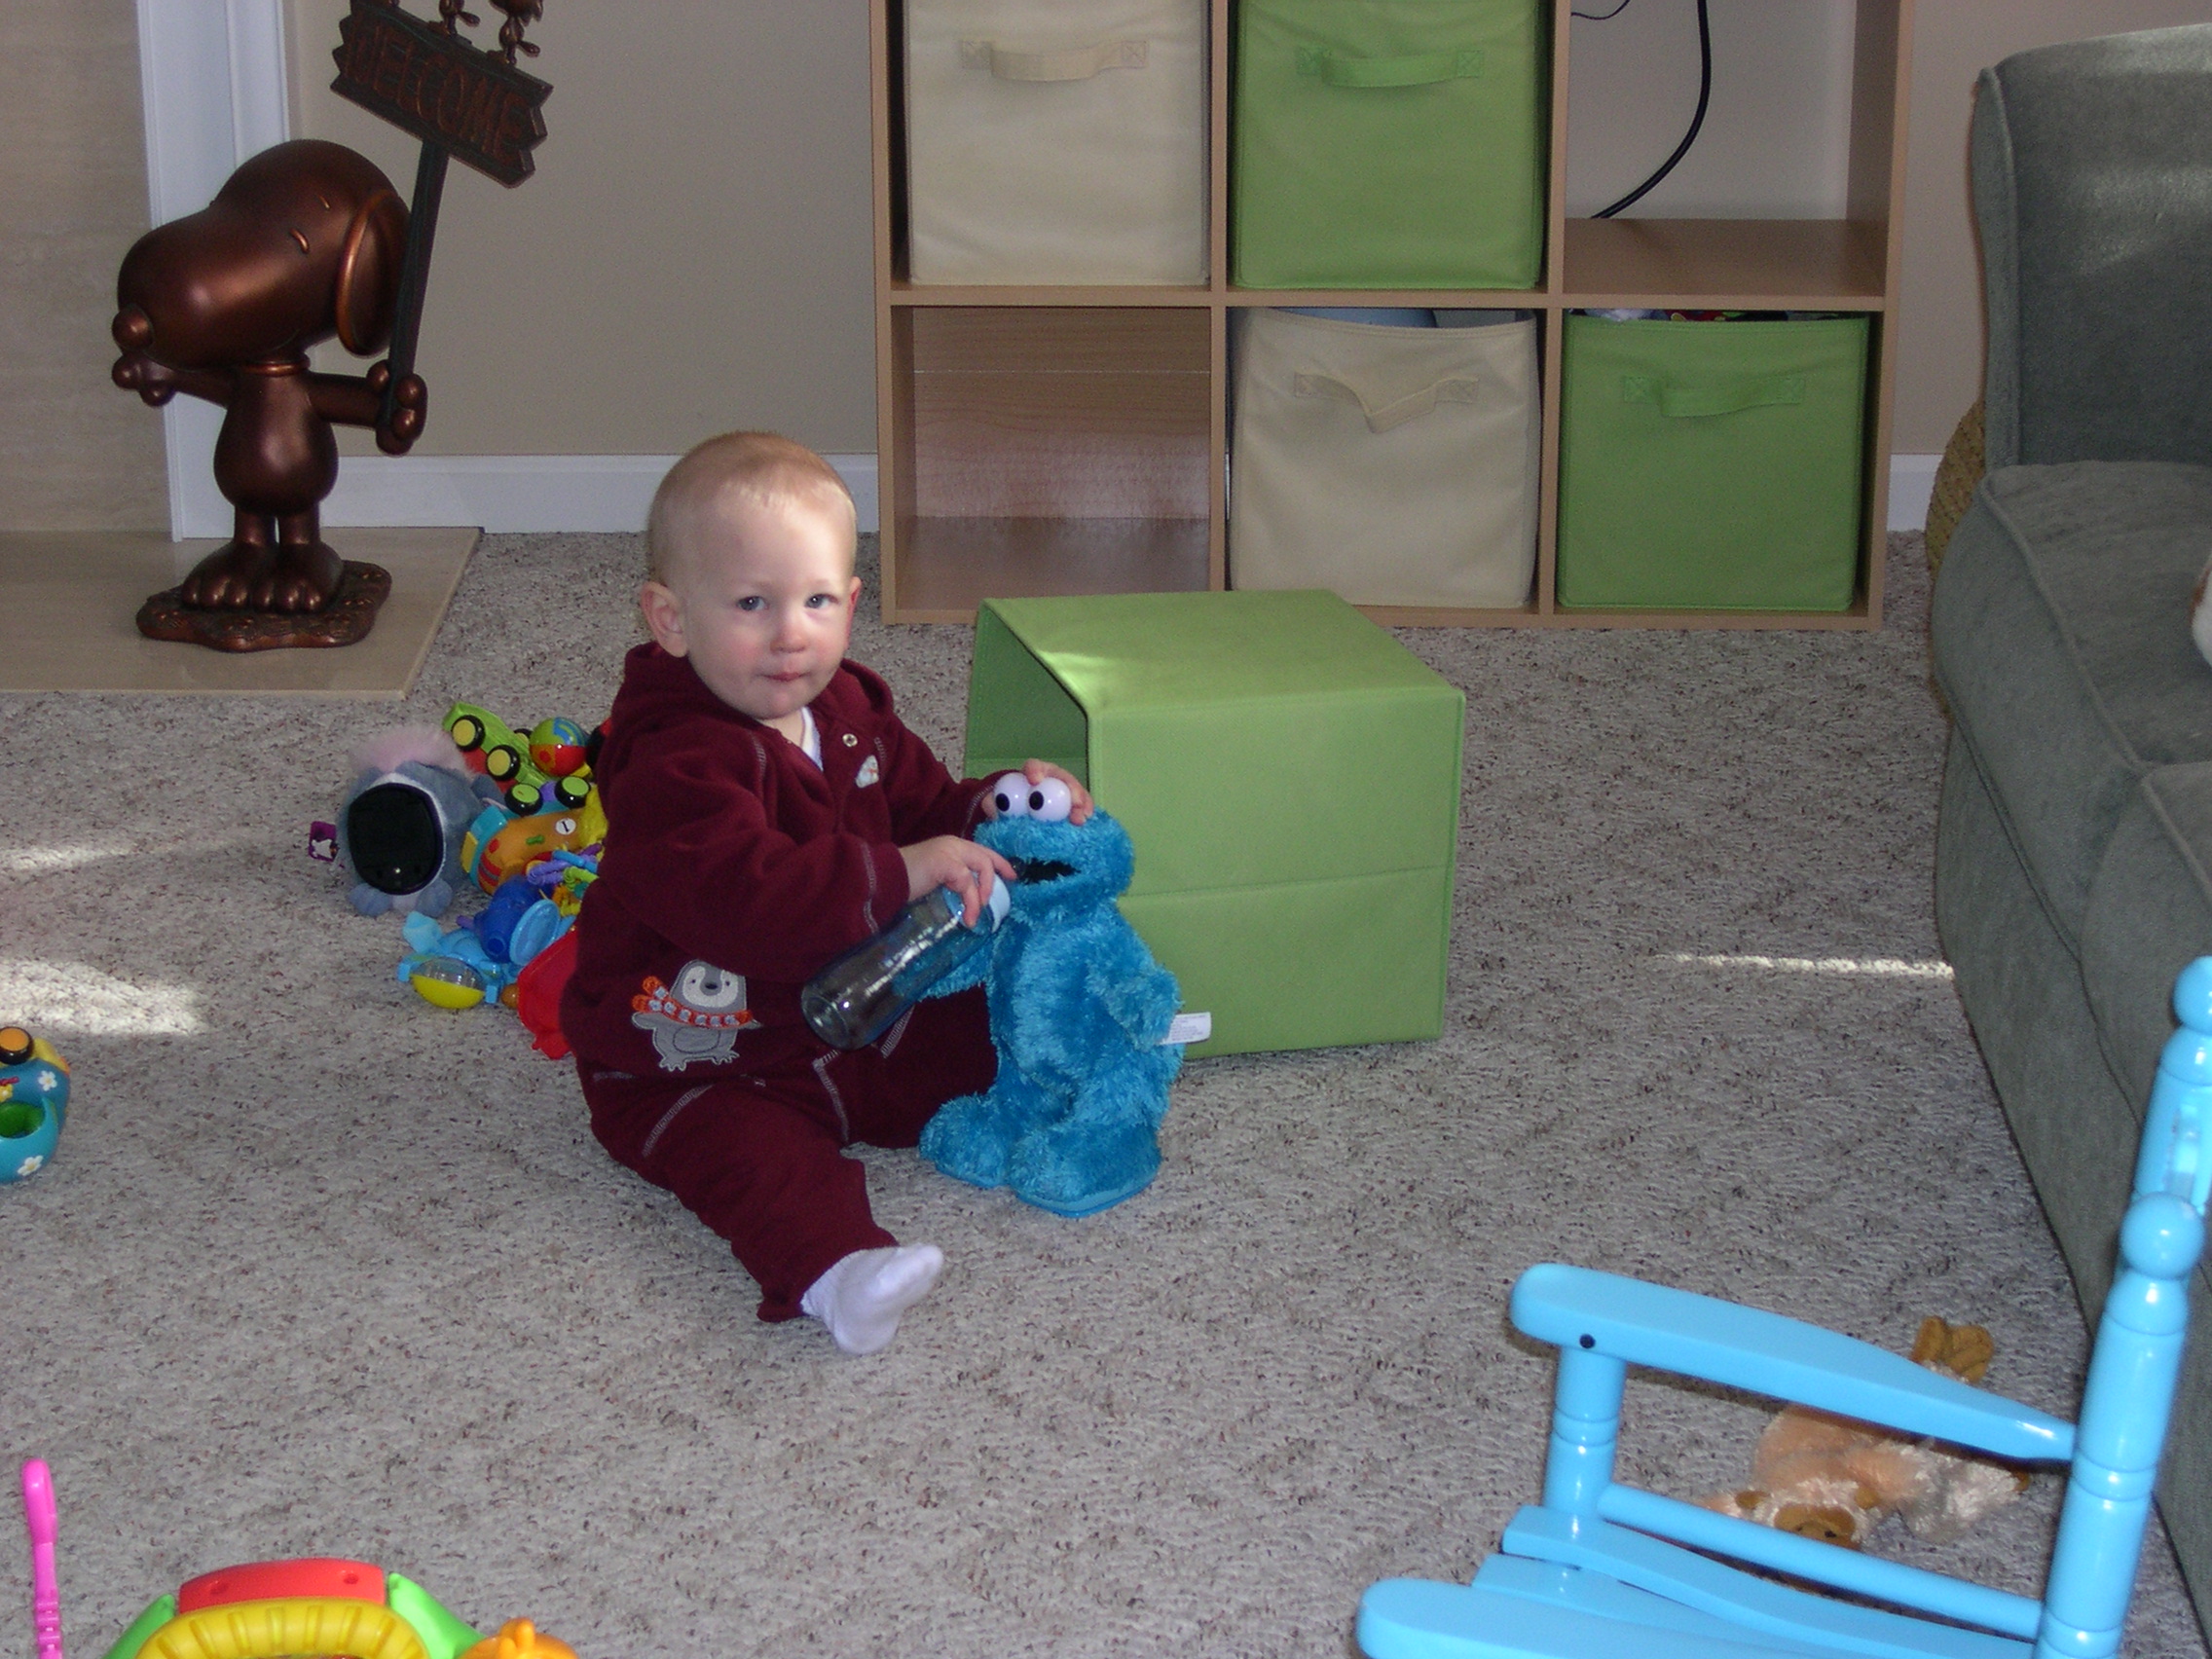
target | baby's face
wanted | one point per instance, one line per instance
(760, 601)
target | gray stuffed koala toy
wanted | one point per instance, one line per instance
(401, 824)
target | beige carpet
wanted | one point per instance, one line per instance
(321, 1270)
(66, 623)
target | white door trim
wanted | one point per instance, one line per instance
(213, 87)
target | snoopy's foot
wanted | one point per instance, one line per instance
(1080, 1167)
(970, 1137)
(227, 578)
(301, 578)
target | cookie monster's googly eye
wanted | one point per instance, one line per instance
(1050, 801)
(1010, 796)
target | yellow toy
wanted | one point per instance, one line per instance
(513, 847)
(316, 1607)
(1834, 1479)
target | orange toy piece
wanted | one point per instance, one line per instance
(1833, 1479)
(518, 1638)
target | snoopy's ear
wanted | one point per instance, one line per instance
(368, 274)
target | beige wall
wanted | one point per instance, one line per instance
(1939, 340)
(1776, 138)
(75, 452)
(693, 253)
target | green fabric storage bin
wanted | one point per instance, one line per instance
(1388, 144)
(1289, 775)
(1711, 466)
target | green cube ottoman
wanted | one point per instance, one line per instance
(1289, 775)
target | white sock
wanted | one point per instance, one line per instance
(862, 1294)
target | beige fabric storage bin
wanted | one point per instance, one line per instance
(1056, 140)
(1391, 466)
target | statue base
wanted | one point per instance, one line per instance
(346, 620)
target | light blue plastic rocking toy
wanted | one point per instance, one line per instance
(1589, 1571)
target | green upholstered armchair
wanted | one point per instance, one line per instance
(2073, 862)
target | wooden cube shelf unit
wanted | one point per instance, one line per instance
(1047, 440)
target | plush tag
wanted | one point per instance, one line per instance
(1189, 1028)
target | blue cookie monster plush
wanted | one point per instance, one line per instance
(1080, 1016)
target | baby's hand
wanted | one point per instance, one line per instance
(951, 861)
(1037, 771)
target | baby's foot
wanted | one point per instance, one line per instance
(862, 1297)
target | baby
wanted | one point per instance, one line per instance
(766, 811)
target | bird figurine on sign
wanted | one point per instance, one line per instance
(520, 15)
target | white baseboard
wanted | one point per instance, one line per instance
(523, 493)
(1913, 481)
(527, 493)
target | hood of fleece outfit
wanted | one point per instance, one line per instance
(657, 691)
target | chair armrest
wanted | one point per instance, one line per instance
(1742, 1348)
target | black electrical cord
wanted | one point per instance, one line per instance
(1703, 97)
(1603, 16)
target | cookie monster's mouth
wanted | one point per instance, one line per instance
(1032, 872)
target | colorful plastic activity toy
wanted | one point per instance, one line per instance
(314, 1607)
(554, 750)
(488, 955)
(531, 844)
(1601, 1569)
(34, 1100)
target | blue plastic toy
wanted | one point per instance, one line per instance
(1599, 1569)
(1080, 1017)
(482, 957)
(34, 1100)
(450, 966)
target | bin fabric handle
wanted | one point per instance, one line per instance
(1724, 395)
(1389, 415)
(1464, 64)
(1078, 63)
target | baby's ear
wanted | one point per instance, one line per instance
(664, 617)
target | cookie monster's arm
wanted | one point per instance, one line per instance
(1135, 992)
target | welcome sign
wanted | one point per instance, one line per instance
(425, 78)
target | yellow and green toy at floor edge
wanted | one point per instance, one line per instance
(408, 1624)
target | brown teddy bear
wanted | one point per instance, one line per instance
(1833, 1477)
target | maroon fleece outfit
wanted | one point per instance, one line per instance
(734, 870)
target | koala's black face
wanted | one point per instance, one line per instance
(394, 839)
(1061, 867)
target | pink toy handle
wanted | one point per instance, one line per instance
(45, 1588)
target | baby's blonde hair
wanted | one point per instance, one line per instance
(755, 466)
